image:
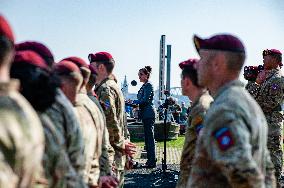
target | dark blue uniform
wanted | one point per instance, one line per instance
(147, 114)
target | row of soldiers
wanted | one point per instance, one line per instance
(55, 131)
(234, 135)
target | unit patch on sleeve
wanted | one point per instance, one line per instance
(224, 138)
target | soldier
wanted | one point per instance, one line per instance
(111, 98)
(98, 165)
(268, 92)
(231, 150)
(21, 135)
(61, 112)
(201, 102)
(37, 83)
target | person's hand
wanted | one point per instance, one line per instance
(130, 148)
(261, 77)
(108, 182)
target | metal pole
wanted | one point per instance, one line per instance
(168, 84)
(162, 67)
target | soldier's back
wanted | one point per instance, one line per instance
(21, 135)
(232, 150)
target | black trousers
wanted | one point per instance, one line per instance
(149, 140)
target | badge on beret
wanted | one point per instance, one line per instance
(224, 138)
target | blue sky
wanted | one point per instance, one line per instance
(130, 29)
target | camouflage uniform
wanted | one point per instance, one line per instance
(58, 169)
(107, 156)
(21, 137)
(111, 98)
(269, 96)
(93, 127)
(62, 115)
(195, 124)
(231, 150)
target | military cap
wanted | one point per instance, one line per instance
(30, 57)
(39, 48)
(100, 57)
(6, 30)
(78, 61)
(222, 42)
(188, 63)
(65, 67)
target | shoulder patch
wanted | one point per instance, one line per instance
(198, 128)
(224, 138)
(105, 104)
(197, 120)
(275, 86)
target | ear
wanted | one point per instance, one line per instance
(219, 62)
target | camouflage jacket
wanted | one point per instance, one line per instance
(112, 101)
(231, 150)
(21, 137)
(270, 96)
(93, 129)
(195, 124)
(107, 156)
(63, 117)
(58, 169)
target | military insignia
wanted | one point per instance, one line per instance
(198, 128)
(197, 120)
(274, 86)
(107, 104)
(224, 138)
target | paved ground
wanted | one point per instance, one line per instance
(156, 177)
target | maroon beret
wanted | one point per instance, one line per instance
(6, 30)
(271, 52)
(100, 57)
(78, 61)
(39, 48)
(30, 57)
(188, 63)
(223, 42)
(65, 67)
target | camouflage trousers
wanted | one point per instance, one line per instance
(274, 144)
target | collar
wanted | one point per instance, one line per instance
(102, 82)
(226, 86)
(12, 85)
(198, 98)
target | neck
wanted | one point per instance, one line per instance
(217, 84)
(145, 81)
(101, 78)
(4, 74)
(194, 94)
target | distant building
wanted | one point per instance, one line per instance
(124, 88)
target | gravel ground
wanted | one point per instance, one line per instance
(155, 177)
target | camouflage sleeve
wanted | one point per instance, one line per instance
(116, 138)
(252, 88)
(147, 96)
(126, 132)
(74, 142)
(107, 156)
(270, 181)
(58, 168)
(228, 145)
(272, 96)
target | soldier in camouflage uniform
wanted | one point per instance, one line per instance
(111, 98)
(96, 137)
(201, 102)
(21, 135)
(61, 112)
(268, 91)
(37, 83)
(231, 150)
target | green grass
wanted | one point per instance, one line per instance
(178, 143)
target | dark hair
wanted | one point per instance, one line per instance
(146, 70)
(6, 46)
(37, 85)
(108, 64)
(191, 73)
